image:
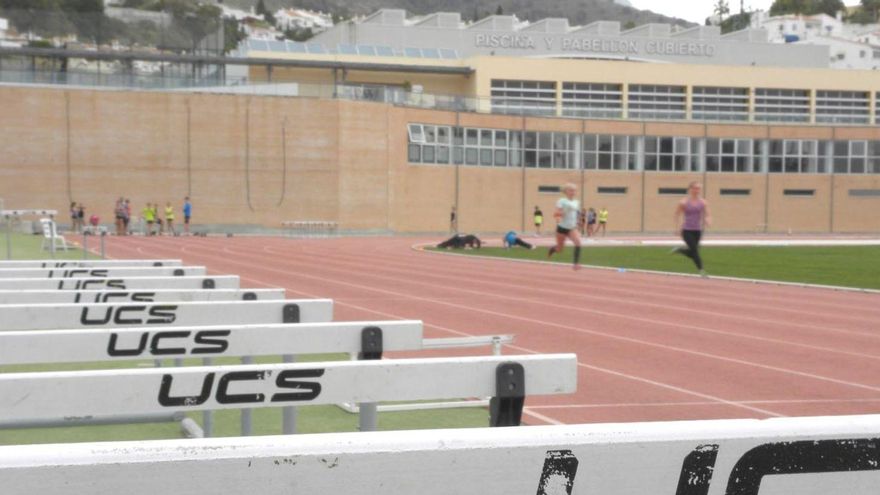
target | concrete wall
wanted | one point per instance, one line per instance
(262, 160)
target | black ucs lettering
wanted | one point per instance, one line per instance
(207, 338)
(155, 342)
(114, 351)
(166, 400)
(223, 395)
(287, 379)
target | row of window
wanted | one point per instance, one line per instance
(664, 102)
(724, 191)
(432, 144)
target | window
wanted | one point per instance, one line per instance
(550, 150)
(592, 100)
(607, 152)
(736, 192)
(611, 190)
(729, 155)
(710, 103)
(549, 189)
(671, 154)
(799, 192)
(523, 97)
(416, 133)
(672, 191)
(850, 157)
(656, 102)
(782, 105)
(795, 156)
(842, 107)
(865, 193)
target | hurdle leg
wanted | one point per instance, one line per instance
(208, 416)
(288, 414)
(9, 237)
(371, 349)
(247, 415)
(85, 245)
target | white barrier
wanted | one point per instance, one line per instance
(86, 263)
(124, 283)
(804, 456)
(111, 272)
(55, 395)
(158, 314)
(69, 346)
(155, 295)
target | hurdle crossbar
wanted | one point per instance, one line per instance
(109, 272)
(91, 345)
(60, 264)
(162, 314)
(152, 295)
(52, 395)
(122, 283)
(738, 457)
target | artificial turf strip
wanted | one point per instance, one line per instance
(844, 266)
(27, 247)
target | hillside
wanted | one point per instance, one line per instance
(577, 11)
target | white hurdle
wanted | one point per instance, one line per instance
(806, 456)
(149, 295)
(163, 314)
(96, 345)
(86, 263)
(122, 283)
(30, 397)
(110, 272)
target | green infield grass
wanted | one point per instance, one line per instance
(27, 247)
(845, 266)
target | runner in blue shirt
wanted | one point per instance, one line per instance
(187, 214)
(511, 240)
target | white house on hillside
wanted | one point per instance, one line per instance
(301, 19)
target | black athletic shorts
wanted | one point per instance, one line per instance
(185, 219)
(562, 230)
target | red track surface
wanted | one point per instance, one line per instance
(649, 347)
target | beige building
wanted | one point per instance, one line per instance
(392, 143)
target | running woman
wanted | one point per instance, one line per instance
(566, 215)
(695, 210)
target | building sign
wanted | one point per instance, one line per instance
(596, 45)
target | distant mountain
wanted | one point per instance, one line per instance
(576, 11)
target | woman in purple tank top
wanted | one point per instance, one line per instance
(695, 211)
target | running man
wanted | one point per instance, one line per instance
(187, 214)
(695, 210)
(566, 216)
(169, 218)
(539, 221)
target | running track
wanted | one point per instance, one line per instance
(649, 347)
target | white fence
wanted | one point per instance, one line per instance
(159, 314)
(804, 456)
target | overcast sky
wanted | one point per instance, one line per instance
(696, 10)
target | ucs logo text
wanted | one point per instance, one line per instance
(289, 385)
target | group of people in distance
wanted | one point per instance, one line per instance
(151, 217)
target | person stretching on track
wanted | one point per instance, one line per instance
(695, 210)
(566, 215)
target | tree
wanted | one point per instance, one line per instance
(736, 22)
(872, 7)
(629, 25)
(233, 34)
(721, 9)
(807, 7)
(263, 11)
(499, 10)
